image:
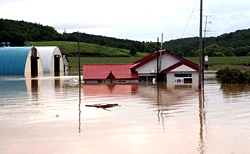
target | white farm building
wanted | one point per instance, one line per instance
(51, 59)
(172, 69)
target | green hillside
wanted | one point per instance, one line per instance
(18, 32)
(87, 50)
(232, 44)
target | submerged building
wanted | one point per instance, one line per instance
(163, 65)
(51, 59)
(20, 61)
(171, 68)
(117, 73)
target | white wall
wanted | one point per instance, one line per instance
(166, 62)
(47, 57)
(183, 68)
(170, 76)
(27, 72)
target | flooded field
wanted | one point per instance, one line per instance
(45, 115)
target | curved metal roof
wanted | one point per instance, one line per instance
(46, 56)
(13, 60)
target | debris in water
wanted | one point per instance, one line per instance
(103, 106)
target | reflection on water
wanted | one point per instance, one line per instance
(202, 118)
(110, 89)
(235, 90)
(49, 115)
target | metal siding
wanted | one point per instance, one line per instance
(13, 60)
(47, 57)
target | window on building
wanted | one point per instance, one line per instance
(187, 80)
(182, 75)
(122, 81)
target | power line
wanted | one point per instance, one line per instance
(189, 19)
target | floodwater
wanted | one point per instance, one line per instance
(44, 115)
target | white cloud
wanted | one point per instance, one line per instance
(131, 19)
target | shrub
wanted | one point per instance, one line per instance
(233, 76)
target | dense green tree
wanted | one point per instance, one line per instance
(193, 53)
(210, 50)
(133, 51)
(242, 51)
(14, 38)
(180, 53)
(233, 76)
(227, 51)
(218, 54)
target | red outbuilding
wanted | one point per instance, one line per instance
(93, 73)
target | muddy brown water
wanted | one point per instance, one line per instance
(44, 115)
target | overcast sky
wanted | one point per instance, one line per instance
(132, 19)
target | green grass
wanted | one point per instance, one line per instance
(86, 48)
(73, 61)
(223, 60)
(109, 55)
(214, 63)
(114, 60)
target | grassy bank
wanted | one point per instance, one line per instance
(73, 61)
(93, 50)
(214, 63)
(223, 60)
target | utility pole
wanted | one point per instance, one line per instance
(161, 52)
(205, 30)
(65, 37)
(79, 68)
(201, 48)
(157, 65)
(80, 87)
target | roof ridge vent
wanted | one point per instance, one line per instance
(3, 44)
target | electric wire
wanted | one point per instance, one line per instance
(189, 18)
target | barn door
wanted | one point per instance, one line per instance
(57, 64)
(34, 67)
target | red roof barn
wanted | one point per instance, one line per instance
(172, 69)
(109, 73)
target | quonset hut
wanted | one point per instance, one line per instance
(51, 59)
(20, 61)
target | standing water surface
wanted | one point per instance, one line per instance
(44, 115)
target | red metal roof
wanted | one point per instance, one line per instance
(103, 72)
(153, 56)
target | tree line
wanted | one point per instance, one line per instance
(18, 32)
(232, 44)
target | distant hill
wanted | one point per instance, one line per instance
(232, 44)
(17, 32)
